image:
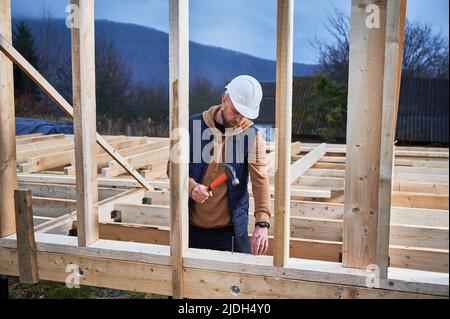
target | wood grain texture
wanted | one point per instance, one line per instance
(84, 115)
(26, 244)
(179, 139)
(283, 117)
(393, 49)
(365, 100)
(8, 177)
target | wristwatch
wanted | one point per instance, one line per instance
(263, 224)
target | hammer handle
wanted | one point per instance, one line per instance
(221, 179)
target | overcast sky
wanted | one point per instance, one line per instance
(247, 26)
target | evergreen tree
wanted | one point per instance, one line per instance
(23, 42)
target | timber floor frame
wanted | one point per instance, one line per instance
(121, 238)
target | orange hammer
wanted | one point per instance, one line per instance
(229, 173)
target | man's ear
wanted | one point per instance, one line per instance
(224, 99)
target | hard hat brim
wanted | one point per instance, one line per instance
(245, 111)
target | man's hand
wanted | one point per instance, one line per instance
(200, 194)
(260, 241)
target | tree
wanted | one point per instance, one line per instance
(150, 104)
(203, 94)
(328, 114)
(55, 62)
(113, 82)
(334, 57)
(425, 52)
(23, 42)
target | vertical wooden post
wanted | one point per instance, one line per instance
(401, 40)
(8, 176)
(84, 110)
(285, 29)
(26, 244)
(395, 24)
(179, 137)
(365, 100)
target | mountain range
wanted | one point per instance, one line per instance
(144, 51)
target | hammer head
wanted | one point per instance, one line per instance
(231, 174)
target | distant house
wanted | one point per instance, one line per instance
(422, 116)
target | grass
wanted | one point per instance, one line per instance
(57, 290)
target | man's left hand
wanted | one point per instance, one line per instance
(260, 241)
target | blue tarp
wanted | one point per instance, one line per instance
(30, 126)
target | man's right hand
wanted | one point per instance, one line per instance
(200, 193)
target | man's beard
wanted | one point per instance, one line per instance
(226, 123)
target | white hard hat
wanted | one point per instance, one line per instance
(246, 94)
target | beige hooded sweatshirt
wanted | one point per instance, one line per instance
(214, 212)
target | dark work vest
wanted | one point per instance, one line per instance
(201, 142)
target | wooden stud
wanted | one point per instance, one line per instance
(26, 245)
(365, 100)
(285, 30)
(179, 139)
(8, 177)
(83, 66)
(395, 15)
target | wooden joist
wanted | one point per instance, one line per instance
(22, 136)
(400, 151)
(44, 138)
(425, 259)
(53, 207)
(335, 211)
(138, 161)
(303, 227)
(420, 200)
(64, 191)
(126, 148)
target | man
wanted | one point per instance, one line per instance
(225, 134)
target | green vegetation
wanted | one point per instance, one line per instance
(326, 115)
(57, 290)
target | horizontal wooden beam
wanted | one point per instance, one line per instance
(65, 191)
(420, 200)
(43, 138)
(126, 148)
(400, 151)
(335, 211)
(303, 227)
(403, 257)
(161, 184)
(147, 268)
(138, 160)
(53, 207)
(22, 136)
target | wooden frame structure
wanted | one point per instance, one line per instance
(358, 226)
